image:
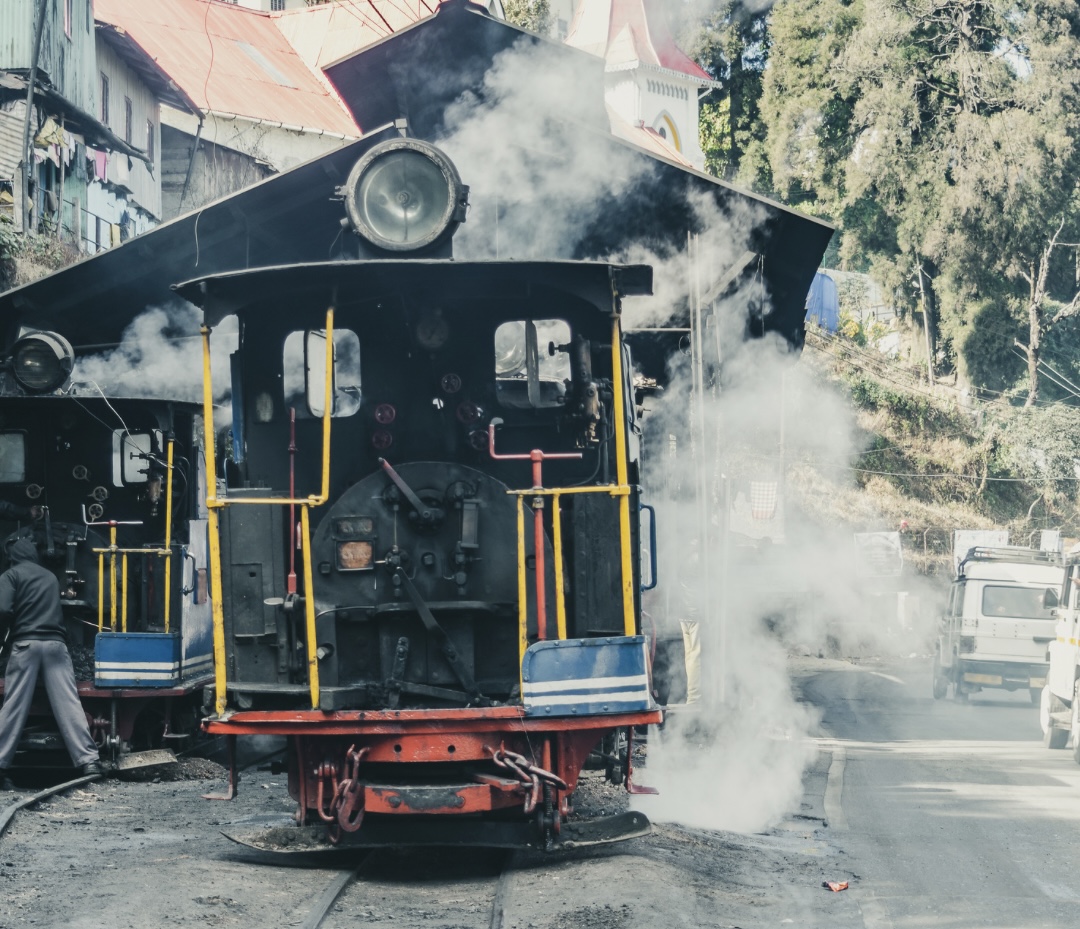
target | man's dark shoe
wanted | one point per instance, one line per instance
(92, 767)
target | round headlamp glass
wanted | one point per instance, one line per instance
(42, 361)
(403, 195)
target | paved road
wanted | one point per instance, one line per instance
(953, 815)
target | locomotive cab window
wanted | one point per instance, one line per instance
(304, 372)
(532, 365)
(131, 451)
(12, 457)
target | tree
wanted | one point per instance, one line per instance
(732, 44)
(534, 15)
(940, 135)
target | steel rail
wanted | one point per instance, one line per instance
(326, 900)
(9, 813)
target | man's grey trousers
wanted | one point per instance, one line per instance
(29, 658)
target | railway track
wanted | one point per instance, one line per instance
(8, 813)
(394, 886)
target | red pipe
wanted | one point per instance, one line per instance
(537, 457)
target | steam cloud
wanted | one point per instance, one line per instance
(539, 175)
(160, 355)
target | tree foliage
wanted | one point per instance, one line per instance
(534, 15)
(943, 136)
(732, 44)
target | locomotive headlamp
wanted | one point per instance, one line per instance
(404, 195)
(42, 361)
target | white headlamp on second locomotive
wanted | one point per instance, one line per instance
(405, 196)
(41, 361)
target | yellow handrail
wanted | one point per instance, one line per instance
(305, 503)
(309, 609)
(523, 605)
(621, 473)
(612, 490)
(560, 598)
(212, 528)
(123, 591)
(101, 590)
(112, 578)
(168, 531)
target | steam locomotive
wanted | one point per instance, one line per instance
(116, 488)
(425, 549)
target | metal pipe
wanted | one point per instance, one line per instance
(290, 585)
(112, 576)
(168, 530)
(309, 609)
(556, 540)
(213, 528)
(60, 207)
(328, 410)
(523, 608)
(622, 475)
(101, 592)
(191, 164)
(27, 157)
(124, 592)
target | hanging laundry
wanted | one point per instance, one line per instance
(101, 166)
(49, 134)
(763, 496)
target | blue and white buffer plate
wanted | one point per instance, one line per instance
(585, 677)
(137, 659)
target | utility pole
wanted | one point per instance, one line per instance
(27, 151)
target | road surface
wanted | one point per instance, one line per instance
(953, 815)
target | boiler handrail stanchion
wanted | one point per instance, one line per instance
(537, 457)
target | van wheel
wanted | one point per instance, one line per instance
(1055, 738)
(1075, 722)
(1052, 737)
(941, 682)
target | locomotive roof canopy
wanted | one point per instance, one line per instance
(294, 217)
(328, 282)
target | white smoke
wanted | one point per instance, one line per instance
(761, 587)
(538, 164)
(160, 355)
(538, 178)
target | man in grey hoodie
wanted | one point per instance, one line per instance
(30, 605)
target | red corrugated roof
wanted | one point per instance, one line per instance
(637, 30)
(647, 138)
(328, 32)
(229, 59)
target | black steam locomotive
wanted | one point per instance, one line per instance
(115, 486)
(425, 548)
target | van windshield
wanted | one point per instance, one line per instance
(1016, 602)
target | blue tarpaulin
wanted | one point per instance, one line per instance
(822, 303)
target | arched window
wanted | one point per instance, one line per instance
(665, 127)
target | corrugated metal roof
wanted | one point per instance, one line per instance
(627, 31)
(229, 59)
(647, 138)
(322, 34)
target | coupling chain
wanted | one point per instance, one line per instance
(345, 810)
(527, 773)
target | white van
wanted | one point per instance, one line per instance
(999, 622)
(1059, 711)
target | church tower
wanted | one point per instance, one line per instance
(650, 83)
